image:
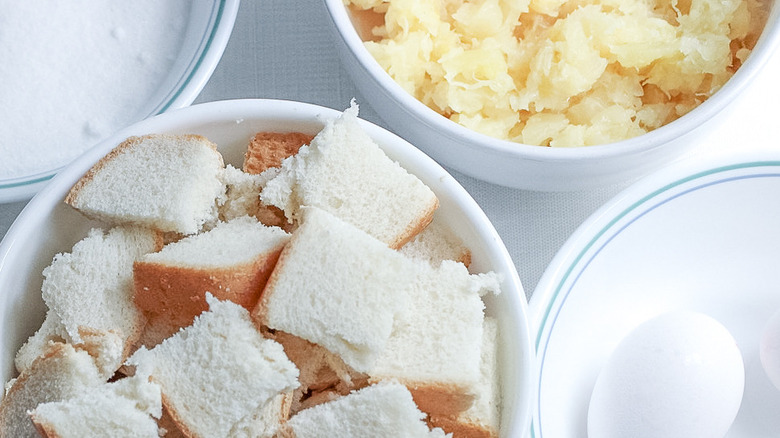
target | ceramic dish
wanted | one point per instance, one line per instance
(47, 226)
(700, 237)
(530, 167)
(205, 38)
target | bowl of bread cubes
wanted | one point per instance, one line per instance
(260, 268)
(554, 95)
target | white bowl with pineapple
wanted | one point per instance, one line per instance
(553, 95)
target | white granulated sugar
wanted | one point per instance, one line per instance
(73, 72)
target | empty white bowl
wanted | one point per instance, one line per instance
(205, 38)
(698, 236)
(534, 167)
(47, 226)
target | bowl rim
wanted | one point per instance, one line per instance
(187, 88)
(239, 110)
(766, 45)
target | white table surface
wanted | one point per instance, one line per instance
(282, 49)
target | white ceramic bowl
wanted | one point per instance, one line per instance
(697, 236)
(206, 36)
(533, 167)
(47, 226)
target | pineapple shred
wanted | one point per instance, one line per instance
(560, 73)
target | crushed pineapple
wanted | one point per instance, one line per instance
(562, 72)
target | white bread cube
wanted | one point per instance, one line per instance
(384, 410)
(166, 182)
(92, 285)
(482, 419)
(434, 348)
(232, 261)
(218, 371)
(437, 243)
(60, 373)
(345, 172)
(336, 286)
(126, 408)
(90, 290)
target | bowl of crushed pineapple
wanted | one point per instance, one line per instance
(554, 95)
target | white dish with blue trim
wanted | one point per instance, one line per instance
(208, 30)
(703, 237)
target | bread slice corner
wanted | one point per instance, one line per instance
(435, 345)
(482, 419)
(61, 372)
(336, 286)
(127, 407)
(345, 172)
(167, 182)
(88, 292)
(232, 261)
(217, 371)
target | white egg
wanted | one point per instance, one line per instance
(769, 349)
(679, 374)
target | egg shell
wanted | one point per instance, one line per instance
(679, 374)
(769, 349)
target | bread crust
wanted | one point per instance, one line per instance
(272, 217)
(258, 313)
(45, 430)
(322, 374)
(462, 428)
(414, 228)
(436, 399)
(158, 328)
(175, 427)
(55, 351)
(180, 292)
(173, 418)
(73, 194)
(436, 243)
(268, 149)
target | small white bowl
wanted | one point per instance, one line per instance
(206, 36)
(698, 236)
(47, 226)
(533, 167)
